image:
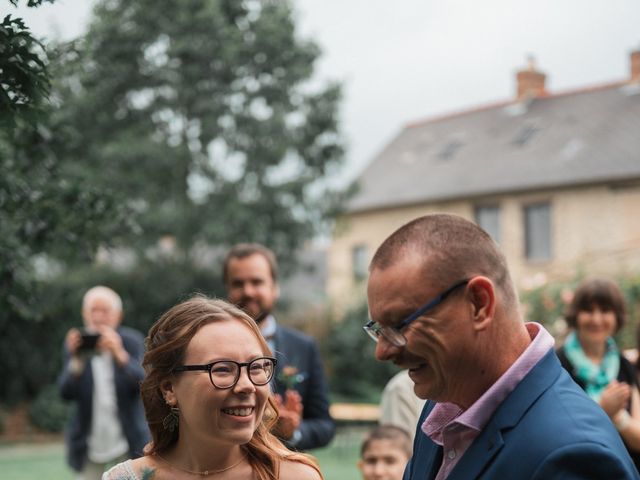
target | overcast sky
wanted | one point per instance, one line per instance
(407, 60)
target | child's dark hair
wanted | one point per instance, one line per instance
(397, 435)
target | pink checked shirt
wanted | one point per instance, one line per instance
(454, 429)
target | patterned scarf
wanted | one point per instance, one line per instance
(595, 377)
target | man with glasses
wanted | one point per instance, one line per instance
(443, 306)
(250, 276)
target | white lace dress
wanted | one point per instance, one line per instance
(121, 471)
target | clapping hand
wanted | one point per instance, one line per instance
(290, 410)
(111, 341)
(73, 340)
(615, 397)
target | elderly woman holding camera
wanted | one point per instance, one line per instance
(591, 356)
(208, 401)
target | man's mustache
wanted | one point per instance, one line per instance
(403, 360)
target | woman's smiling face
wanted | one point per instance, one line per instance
(213, 415)
(595, 325)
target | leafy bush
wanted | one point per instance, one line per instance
(48, 411)
(356, 375)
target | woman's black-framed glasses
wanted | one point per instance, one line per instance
(225, 373)
(394, 334)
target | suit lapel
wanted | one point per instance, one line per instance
(424, 464)
(487, 445)
(480, 454)
(281, 357)
(427, 456)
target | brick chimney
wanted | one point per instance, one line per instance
(530, 82)
(635, 66)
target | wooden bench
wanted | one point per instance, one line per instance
(353, 420)
(355, 412)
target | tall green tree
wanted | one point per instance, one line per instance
(24, 80)
(46, 216)
(196, 119)
(201, 114)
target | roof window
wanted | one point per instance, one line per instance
(526, 134)
(450, 149)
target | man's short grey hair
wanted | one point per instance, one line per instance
(452, 248)
(101, 291)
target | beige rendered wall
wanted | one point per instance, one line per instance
(595, 230)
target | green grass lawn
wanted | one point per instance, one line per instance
(28, 462)
(338, 461)
(38, 461)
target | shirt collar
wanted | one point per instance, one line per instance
(268, 327)
(478, 414)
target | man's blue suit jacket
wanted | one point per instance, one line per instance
(295, 349)
(79, 389)
(547, 428)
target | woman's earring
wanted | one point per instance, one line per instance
(172, 420)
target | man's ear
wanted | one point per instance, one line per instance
(166, 387)
(483, 301)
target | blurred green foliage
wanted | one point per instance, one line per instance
(24, 80)
(44, 213)
(201, 116)
(195, 122)
(355, 374)
(48, 411)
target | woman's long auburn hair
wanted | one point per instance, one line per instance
(166, 345)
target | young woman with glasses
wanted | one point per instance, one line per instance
(208, 401)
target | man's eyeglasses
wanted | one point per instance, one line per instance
(393, 334)
(225, 373)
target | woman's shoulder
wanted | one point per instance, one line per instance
(121, 471)
(294, 470)
(139, 469)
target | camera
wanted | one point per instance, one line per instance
(89, 341)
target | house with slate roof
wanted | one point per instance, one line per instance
(553, 177)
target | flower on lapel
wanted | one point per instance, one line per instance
(290, 376)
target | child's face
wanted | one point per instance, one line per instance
(383, 460)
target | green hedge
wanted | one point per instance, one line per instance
(48, 411)
(355, 374)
